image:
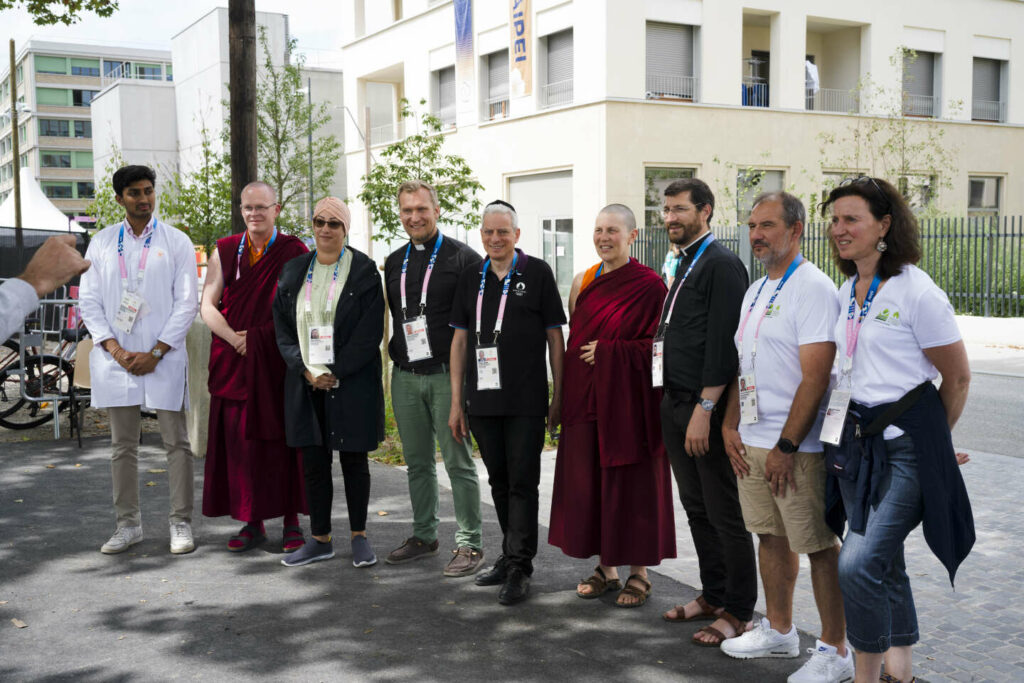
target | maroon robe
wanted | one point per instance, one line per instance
(251, 473)
(613, 488)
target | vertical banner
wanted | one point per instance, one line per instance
(520, 78)
(464, 57)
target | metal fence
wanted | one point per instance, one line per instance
(978, 262)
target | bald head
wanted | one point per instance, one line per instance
(623, 212)
(262, 187)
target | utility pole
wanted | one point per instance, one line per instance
(309, 95)
(242, 83)
(19, 239)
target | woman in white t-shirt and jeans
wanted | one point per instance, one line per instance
(892, 479)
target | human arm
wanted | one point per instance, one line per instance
(213, 289)
(951, 362)
(17, 300)
(363, 345)
(574, 291)
(698, 431)
(457, 359)
(285, 329)
(556, 357)
(184, 294)
(730, 431)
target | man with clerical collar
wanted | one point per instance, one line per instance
(251, 473)
(506, 312)
(138, 301)
(698, 320)
(421, 279)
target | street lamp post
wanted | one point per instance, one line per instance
(309, 95)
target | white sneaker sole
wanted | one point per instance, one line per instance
(107, 550)
(366, 563)
(183, 550)
(778, 653)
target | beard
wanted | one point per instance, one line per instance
(690, 230)
(771, 257)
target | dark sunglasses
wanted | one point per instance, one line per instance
(333, 225)
(864, 179)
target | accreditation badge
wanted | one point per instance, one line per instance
(835, 416)
(321, 345)
(128, 311)
(488, 376)
(748, 399)
(658, 362)
(417, 343)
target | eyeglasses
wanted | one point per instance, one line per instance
(250, 208)
(679, 210)
(868, 179)
(332, 224)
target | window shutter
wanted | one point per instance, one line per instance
(919, 74)
(560, 57)
(497, 75)
(986, 79)
(669, 50)
(51, 65)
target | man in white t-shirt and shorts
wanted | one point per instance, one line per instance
(786, 343)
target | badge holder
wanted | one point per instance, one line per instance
(417, 342)
(321, 345)
(128, 311)
(835, 413)
(658, 362)
(488, 375)
(748, 399)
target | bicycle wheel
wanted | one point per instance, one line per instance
(10, 388)
(45, 376)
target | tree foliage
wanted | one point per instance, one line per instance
(420, 156)
(104, 207)
(199, 202)
(67, 12)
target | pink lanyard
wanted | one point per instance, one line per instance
(426, 278)
(853, 331)
(142, 259)
(504, 299)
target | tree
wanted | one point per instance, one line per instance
(284, 120)
(104, 207)
(67, 12)
(200, 202)
(420, 156)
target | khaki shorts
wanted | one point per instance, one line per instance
(800, 515)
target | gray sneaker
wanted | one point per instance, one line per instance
(362, 553)
(124, 538)
(312, 551)
(412, 549)
(467, 561)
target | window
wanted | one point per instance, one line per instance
(53, 128)
(83, 129)
(56, 97)
(986, 100)
(755, 81)
(655, 182)
(52, 159)
(919, 84)
(117, 69)
(82, 159)
(497, 85)
(148, 72)
(57, 190)
(24, 160)
(557, 236)
(85, 190)
(22, 133)
(51, 65)
(670, 62)
(85, 67)
(444, 96)
(557, 88)
(983, 195)
(18, 75)
(752, 182)
(82, 98)
(918, 190)
(167, 70)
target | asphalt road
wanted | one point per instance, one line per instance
(993, 420)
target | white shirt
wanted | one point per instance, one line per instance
(169, 289)
(17, 299)
(801, 314)
(910, 313)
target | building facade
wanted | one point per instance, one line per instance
(622, 96)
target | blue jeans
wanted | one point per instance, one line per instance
(872, 573)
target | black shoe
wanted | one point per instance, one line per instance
(516, 588)
(493, 576)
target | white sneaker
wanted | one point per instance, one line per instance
(763, 641)
(124, 538)
(825, 666)
(181, 538)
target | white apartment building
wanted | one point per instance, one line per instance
(56, 83)
(629, 94)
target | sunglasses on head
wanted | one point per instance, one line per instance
(863, 179)
(332, 224)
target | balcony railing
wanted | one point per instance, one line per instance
(755, 93)
(447, 115)
(122, 72)
(382, 135)
(988, 110)
(497, 107)
(919, 105)
(555, 94)
(661, 87)
(831, 99)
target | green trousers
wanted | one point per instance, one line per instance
(422, 404)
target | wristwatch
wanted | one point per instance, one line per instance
(786, 446)
(707, 404)
(157, 353)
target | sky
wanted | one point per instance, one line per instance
(150, 24)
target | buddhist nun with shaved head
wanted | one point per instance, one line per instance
(613, 491)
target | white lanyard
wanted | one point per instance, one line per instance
(679, 282)
(426, 277)
(504, 299)
(142, 259)
(330, 292)
(757, 331)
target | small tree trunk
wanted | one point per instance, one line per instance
(242, 78)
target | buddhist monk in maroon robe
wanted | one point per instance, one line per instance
(613, 492)
(251, 473)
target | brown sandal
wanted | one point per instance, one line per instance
(738, 627)
(706, 612)
(599, 583)
(633, 591)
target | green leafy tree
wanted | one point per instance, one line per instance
(104, 207)
(67, 12)
(421, 156)
(199, 202)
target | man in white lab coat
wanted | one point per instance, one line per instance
(138, 301)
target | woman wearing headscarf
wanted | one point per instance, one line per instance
(329, 320)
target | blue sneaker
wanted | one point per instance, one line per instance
(362, 553)
(312, 551)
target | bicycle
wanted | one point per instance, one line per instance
(43, 374)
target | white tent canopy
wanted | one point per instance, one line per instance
(37, 211)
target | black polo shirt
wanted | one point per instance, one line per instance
(534, 306)
(699, 347)
(452, 258)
